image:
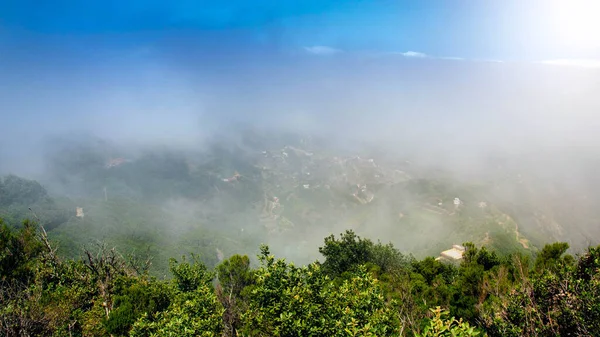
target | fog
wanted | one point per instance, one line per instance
(457, 116)
(391, 101)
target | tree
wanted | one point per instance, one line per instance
(18, 253)
(292, 301)
(190, 276)
(234, 275)
(562, 300)
(387, 258)
(134, 298)
(346, 253)
(551, 255)
(442, 326)
(16, 190)
(194, 309)
(106, 266)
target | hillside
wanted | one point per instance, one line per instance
(232, 194)
(361, 288)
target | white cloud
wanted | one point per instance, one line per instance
(487, 60)
(322, 50)
(585, 63)
(452, 58)
(420, 55)
(407, 54)
(413, 54)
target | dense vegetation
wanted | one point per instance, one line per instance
(20, 197)
(213, 207)
(361, 288)
(227, 197)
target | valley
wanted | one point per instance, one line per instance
(287, 191)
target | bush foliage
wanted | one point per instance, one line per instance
(361, 288)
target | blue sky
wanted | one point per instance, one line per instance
(170, 70)
(506, 30)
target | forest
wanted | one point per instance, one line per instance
(362, 288)
(142, 262)
(299, 168)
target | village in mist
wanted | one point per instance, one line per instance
(319, 168)
(479, 157)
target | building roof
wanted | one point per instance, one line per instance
(454, 254)
(79, 212)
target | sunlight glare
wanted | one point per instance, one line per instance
(575, 23)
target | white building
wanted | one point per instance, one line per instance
(453, 254)
(79, 212)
